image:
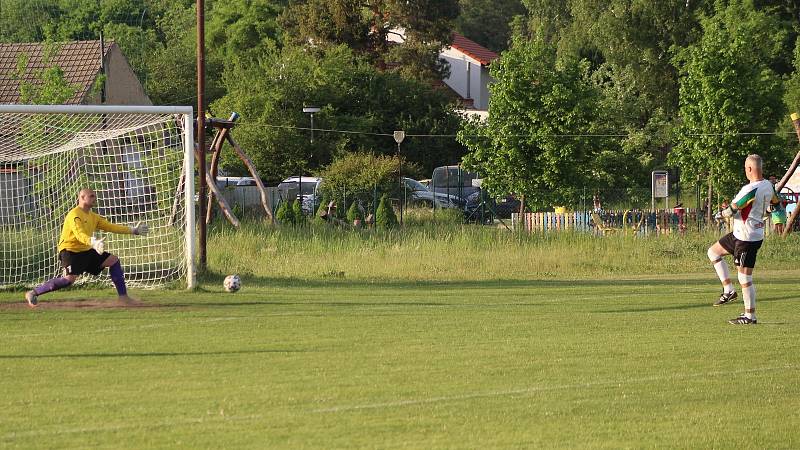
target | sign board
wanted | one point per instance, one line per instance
(660, 184)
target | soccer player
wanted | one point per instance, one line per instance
(80, 252)
(747, 209)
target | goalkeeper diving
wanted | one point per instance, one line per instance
(79, 251)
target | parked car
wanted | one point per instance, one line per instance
(311, 196)
(418, 194)
(453, 180)
(235, 181)
(501, 207)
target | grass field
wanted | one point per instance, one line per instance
(625, 352)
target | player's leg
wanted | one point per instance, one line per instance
(117, 277)
(745, 258)
(715, 255)
(71, 273)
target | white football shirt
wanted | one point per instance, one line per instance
(751, 203)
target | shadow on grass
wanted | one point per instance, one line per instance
(688, 306)
(151, 354)
(250, 281)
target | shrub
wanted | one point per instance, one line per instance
(297, 213)
(358, 176)
(385, 216)
(285, 214)
(323, 209)
(354, 213)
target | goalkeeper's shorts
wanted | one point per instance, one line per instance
(82, 262)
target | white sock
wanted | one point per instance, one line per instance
(721, 267)
(749, 295)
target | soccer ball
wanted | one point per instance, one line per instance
(232, 283)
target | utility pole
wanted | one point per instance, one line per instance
(201, 127)
(398, 137)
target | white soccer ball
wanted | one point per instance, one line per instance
(232, 283)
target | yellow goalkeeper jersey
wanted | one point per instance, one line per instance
(79, 226)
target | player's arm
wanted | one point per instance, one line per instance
(105, 225)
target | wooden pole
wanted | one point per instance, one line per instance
(216, 149)
(252, 168)
(796, 161)
(790, 222)
(201, 130)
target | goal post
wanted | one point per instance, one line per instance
(138, 159)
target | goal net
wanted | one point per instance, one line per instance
(135, 159)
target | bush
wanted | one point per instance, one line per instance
(354, 213)
(386, 217)
(322, 210)
(285, 214)
(357, 176)
(297, 212)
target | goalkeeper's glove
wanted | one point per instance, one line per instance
(140, 229)
(97, 244)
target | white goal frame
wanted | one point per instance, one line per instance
(188, 160)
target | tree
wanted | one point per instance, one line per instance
(385, 216)
(365, 26)
(488, 22)
(528, 145)
(270, 92)
(728, 88)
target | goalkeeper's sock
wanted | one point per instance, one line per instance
(749, 295)
(721, 267)
(51, 285)
(118, 278)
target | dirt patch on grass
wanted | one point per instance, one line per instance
(80, 304)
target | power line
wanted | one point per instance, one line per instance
(453, 136)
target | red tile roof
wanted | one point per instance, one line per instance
(474, 50)
(79, 60)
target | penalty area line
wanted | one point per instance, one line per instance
(537, 389)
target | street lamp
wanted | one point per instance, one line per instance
(398, 137)
(307, 110)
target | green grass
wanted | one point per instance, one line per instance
(599, 356)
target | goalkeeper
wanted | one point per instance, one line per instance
(747, 209)
(80, 252)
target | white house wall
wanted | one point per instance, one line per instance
(468, 78)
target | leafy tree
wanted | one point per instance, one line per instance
(791, 99)
(534, 101)
(385, 216)
(365, 26)
(270, 93)
(728, 88)
(488, 22)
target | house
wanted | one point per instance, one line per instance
(82, 64)
(469, 71)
